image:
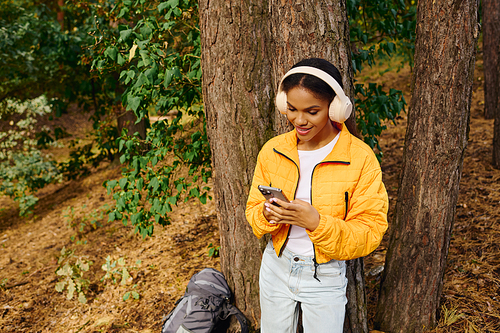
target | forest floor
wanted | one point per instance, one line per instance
(160, 266)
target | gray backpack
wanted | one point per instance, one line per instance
(205, 306)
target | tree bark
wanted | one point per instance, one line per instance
(127, 119)
(304, 29)
(319, 29)
(247, 47)
(237, 91)
(496, 142)
(436, 139)
(60, 13)
(491, 49)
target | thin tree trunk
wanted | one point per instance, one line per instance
(436, 138)
(127, 120)
(60, 13)
(247, 47)
(491, 49)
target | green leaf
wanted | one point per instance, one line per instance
(176, 72)
(123, 11)
(156, 205)
(162, 6)
(126, 296)
(111, 52)
(146, 31)
(141, 80)
(142, 43)
(123, 182)
(155, 184)
(133, 102)
(194, 192)
(120, 59)
(168, 77)
(140, 184)
(110, 185)
(125, 34)
(173, 3)
(170, 3)
(203, 198)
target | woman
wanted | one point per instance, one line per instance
(339, 206)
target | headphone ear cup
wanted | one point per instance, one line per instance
(281, 102)
(339, 112)
(335, 111)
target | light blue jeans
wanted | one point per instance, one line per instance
(287, 280)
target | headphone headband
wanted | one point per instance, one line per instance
(321, 75)
(340, 108)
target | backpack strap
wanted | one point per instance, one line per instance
(229, 309)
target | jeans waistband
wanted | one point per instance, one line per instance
(298, 259)
(305, 260)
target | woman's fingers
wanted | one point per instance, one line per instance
(296, 212)
(282, 204)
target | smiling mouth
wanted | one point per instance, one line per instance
(302, 131)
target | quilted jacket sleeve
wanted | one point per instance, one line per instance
(365, 223)
(255, 217)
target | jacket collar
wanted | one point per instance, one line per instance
(341, 152)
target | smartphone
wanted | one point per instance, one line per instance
(272, 192)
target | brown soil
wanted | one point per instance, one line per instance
(30, 247)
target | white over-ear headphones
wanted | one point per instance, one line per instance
(340, 108)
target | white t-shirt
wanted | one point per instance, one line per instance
(298, 239)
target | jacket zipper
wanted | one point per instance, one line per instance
(315, 275)
(294, 194)
(346, 204)
(311, 196)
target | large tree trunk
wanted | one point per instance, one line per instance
(319, 29)
(491, 49)
(247, 47)
(309, 29)
(496, 142)
(436, 138)
(237, 90)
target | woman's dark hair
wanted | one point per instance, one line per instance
(318, 87)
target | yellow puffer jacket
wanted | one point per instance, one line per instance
(346, 190)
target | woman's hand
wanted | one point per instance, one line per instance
(297, 212)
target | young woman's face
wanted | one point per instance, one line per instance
(309, 116)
